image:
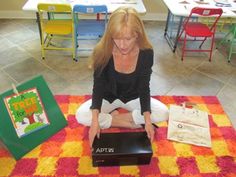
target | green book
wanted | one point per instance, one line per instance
(29, 117)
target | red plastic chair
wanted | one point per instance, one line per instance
(199, 31)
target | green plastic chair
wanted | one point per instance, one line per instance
(230, 38)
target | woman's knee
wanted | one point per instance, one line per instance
(164, 113)
(159, 110)
(160, 115)
(83, 117)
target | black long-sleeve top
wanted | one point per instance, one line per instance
(110, 84)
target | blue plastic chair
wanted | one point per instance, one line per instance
(90, 29)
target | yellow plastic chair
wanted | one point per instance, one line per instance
(55, 29)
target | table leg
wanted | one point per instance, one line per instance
(177, 34)
(167, 22)
(172, 41)
(38, 22)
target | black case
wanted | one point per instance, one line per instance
(129, 148)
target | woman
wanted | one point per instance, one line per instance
(122, 62)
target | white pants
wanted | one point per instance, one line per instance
(159, 113)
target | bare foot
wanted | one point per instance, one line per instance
(114, 113)
(134, 126)
(123, 120)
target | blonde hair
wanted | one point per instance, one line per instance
(120, 18)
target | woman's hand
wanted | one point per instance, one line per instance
(150, 131)
(93, 131)
(148, 126)
(94, 127)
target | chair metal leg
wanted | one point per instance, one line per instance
(184, 45)
(232, 43)
(226, 38)
(212, 43)
(230, 50)
(200, 46)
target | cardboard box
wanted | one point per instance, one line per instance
(129, 148)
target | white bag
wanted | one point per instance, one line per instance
(189, 126)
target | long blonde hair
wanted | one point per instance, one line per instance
(120, 18)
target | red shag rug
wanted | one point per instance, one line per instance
(67, 153)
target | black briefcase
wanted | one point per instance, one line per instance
(129, 148)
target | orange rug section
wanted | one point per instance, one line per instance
(67, 153)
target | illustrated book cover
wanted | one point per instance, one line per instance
(29, 116)
(26, 111)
